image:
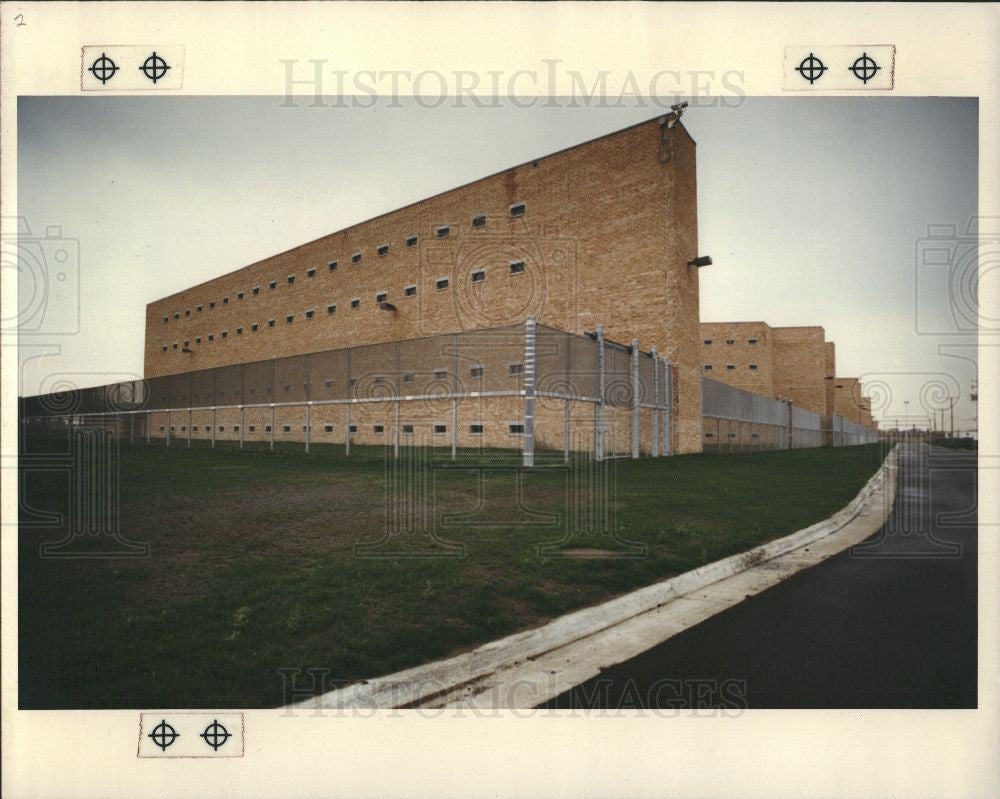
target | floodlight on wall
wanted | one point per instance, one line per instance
(386, 306)
(701, 260)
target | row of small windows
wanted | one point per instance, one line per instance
(750, 341)
(731, 435)
(731, 367)
(441, 284)
(440, 428)
(441, 232)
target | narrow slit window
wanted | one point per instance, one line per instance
(355, 304)
(476, 371)
(440, 429)
(730, 367)
(479, 221)
(356, 258)
(441, 283)
(273, 284)
(332, 266)
(331, 309)
(516, 210)
(255, 290)
(478, 275)
(475, 429)
(407, 429)
(378, 429)
(328, 428)
(410, 291)
(289, 319)
(730, 341)
(381, 297)
(310, 273)
(270, 323)
(515, 428)
(290, 279)
(708, 341)
(383, 250)
(443, 231)
(753, 367)
(310, 313)
(516, 368)
(239, 295)
(517, 267)
(411, 241)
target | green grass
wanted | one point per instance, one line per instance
(254, 566)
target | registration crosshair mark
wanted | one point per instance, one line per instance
(811, 68)
(103, 68)
(864, 68)
(163, 735)
(154, 67)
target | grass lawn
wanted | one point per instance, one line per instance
(262, 563)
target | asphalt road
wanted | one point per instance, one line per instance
(890, 623)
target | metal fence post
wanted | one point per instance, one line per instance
(242, 424)
(566, 430)
(528, 438)
(668, 403)
(189, 428)
(347, 429)
(599, 405)
(308, 424)
(635, 398)
(167, 428)
(791, 424)
(271, 444)
(656, 403)
(214, 426)
(149, 426)
(454, 427)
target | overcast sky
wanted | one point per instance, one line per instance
(815, 211)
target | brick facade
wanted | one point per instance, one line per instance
(606, 232)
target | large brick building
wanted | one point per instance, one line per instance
(597, 234)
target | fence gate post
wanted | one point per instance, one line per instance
(528, 438)
(599, 405)
(635, 398)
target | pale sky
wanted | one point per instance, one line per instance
(815, 211)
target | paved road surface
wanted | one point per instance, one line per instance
(890, 623)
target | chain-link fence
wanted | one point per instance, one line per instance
(507, 387)
(735, 420)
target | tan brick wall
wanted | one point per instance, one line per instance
(829, 375)
(741, 354)
(608, 230)
(847, 399)
(800, 366)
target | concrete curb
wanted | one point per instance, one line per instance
(422, 684)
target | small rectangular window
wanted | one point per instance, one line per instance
(379, 378)
(252, 428)
(310, 313)
(475, 429)
(352, 382)
(353, 429)
(211, 336)
(211, 305)
(440, 374)
(187, 343)
(239, 295)
(410, 291)
(708, 367)
(187, 312)
(441, 283)
(175, 347)
(331, 309)
(222, 428)
(408, 377)
(479, 221)
(440, 429)
(225, 300)
(381, 297)
(253, 327)
(164, 347)
(730, 367)
(289, 318)
(198, 308)
(273, 284)
(407, 429)
(286, 428)
(328, 428)
(256, 290)
(332, 266)
(443, 231)
(327, 384)
(476, 371)
(236, 428)
(709, 435)
(197, 339)
(310, 273)
(225, 334)
(270, 323)
(755, 435)
(166, 318)
(478, 275)
(355, 304)
(194, 428)
(411, 241)
(516, 368)
(732, 435)
(177, 316)
(267, 428)
(161, 428)
(517, 209)
(751, 341)
(378, 429)
(383, 249)
(290, 279)
(356, 258)
(515, 428)
(517, 267)
(239, 331)
(730, 341)
(753, 367)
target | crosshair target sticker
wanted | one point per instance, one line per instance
(854, 67)
(127, 67)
